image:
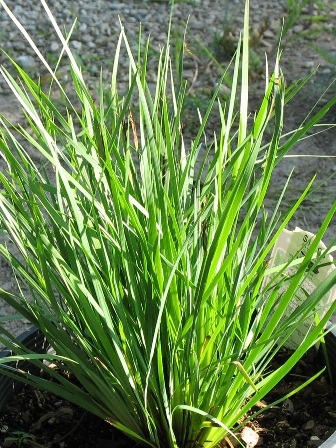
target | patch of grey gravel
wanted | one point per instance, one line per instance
(98, 26)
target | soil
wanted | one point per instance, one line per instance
(37, 419)
(303, 420)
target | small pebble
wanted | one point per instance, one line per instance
(76, 45)
(269, 34)
(54, 46)
(309, 64)
(309, 425)
(250, 437)
(26, 61)
(288, 406)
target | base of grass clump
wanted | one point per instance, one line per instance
(30, 417)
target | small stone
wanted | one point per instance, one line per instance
(297, 29)
(83, 27)
(269, 34)
(309, 64)
(288, 406)
(54, 46)
(76, 45)
(250, 437)
(86, 38)
(314, 441)
(26, 61)
(309, 425)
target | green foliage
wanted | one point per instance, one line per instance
(19, 437)
(146, 253)
(329, 56)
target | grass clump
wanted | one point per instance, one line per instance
(146, 260)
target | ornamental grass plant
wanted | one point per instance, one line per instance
(146, 255)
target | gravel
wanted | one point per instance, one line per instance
(98, 26)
